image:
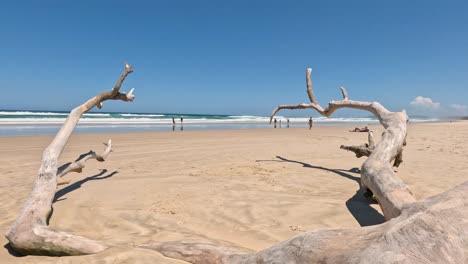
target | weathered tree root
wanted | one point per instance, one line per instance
(429, 231)
(30, 233)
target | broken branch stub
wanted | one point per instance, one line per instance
(363, 150)
(79, 164)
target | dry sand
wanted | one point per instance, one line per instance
(251, 188)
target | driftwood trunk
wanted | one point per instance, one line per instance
(30, 233)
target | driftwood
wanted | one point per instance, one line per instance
(30, 233)
(433, 230)
(79, 164)
(430, 231)
(363, 150)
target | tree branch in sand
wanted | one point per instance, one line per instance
(30, 233)
(429, 231)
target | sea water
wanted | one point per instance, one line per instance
(21, 123)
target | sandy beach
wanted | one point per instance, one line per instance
(251, 188)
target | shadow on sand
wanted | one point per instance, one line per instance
(357, 205)
(78, 184)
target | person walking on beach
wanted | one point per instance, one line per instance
(181, 120)
(287, 120)
(173, 124)
(275, 122)
(310, 122)
(280, 123)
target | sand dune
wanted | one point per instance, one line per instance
(251, 188)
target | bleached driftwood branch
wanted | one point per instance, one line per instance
(429, 231)
(377, 173)
(79, 164)
(30, 233)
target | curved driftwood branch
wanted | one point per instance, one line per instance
(430, 231)
(377, 173)
(30, 233)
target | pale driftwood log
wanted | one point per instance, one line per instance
(430, 231)
(30, 233)
(79, 164)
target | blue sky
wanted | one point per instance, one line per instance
(236, 57)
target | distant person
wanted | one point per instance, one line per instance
(287, 120)
(310, 123)
(181, 120)
(276, 121)
(280, 123)
(357, 129)
(173, 121)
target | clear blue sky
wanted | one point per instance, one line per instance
(236, 57)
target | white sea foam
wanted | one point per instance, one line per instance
(24, 118)
(141, 115)
(84, 120)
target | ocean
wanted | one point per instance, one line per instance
(24, 123)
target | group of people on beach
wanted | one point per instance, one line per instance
(275, 121)
(181, 124)
(311, 122)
